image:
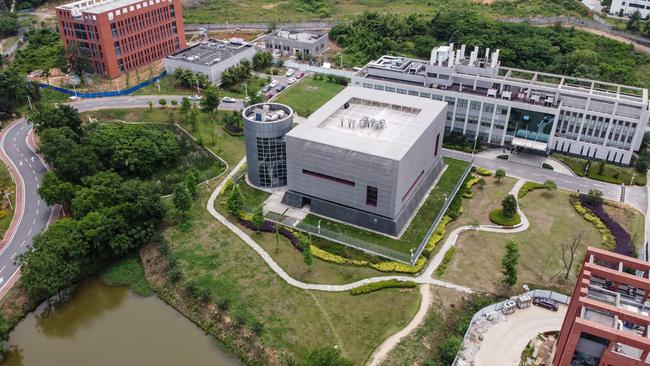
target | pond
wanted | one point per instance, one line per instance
(103, 325)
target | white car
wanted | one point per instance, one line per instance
(195, 97)
(74, 98)
(273, 83)
(289, 72)
(228, 100)
(291, 81)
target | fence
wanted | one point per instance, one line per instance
(366, 246)
(324, 24)
(105, 94)
(318, 69)
(561, 298)
(14, 47)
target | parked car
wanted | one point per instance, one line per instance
(74, 98)
(300, 75)
(280, 88)
(269, 96)
(291, 81)
(546, 303)
(289, 72)
(195, 97)
(266, 88)
(273, 83)
(228, 100)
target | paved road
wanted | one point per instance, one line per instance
(634, 195)
(33, 213)
(138, 102)
(503, 343)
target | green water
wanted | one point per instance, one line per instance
(104, 325)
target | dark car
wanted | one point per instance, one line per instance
(280, 88)
(546, 303)
(300, 75)
(269, 96)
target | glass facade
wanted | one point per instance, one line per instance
(272, 158)
(530, 125)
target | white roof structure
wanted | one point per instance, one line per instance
(372, 122)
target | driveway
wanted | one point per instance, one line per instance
(504, 342)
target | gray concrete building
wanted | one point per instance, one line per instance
(527, 110)
(210, 58)
(265, 125)
(290, 41)
(366, 157)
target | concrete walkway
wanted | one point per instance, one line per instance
(504, 342)
(528, 159)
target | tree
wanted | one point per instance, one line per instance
(328, 356)
(595, 197)
(174, 103)
(55, 191)
(162, 102)
(601, 167)
(182, 198)
(192, 119)
(258, 218)
(210, 100)
(569, 249)
(191, 180)
(509, 206)
(550, 186)
(234, 201)
(186, 105)
(481, 183)
(509, 263)
(262, 60)
(499, 174)
(8, 25)
(150, 105)
(49, 116)
(14, 91)
(634, 22)
(305, 244)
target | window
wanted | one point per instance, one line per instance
(328, 177)
(371, 196)
(435, 151)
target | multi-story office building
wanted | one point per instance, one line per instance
(607, 322)
(535, 111)
(114, 36)
(366, 157)
(628, 7)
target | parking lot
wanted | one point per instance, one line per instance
(504, 342)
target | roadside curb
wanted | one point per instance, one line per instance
(19, 193)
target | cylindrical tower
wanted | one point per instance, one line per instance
(265, 125)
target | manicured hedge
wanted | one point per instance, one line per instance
(376, 286)
(482, 171)
(445, 261)
(622, 237)
(497, 217)
(527, 187)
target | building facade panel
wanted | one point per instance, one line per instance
(291, 41)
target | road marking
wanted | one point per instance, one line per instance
(3, 268)
(21, 244)
(13, 256)
(37, 210)
(29, 232)
(20, 163)
(34, 222)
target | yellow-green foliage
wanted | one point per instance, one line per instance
(527, 187)
(331, 257)
(376, 286)
(483, 172)
(606, 236)
(438, 234)
(470, 183)
(468, 195)
(400, 267)
(226, 187)
(245, 216)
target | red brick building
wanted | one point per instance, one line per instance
(113, 36)
(608, 318)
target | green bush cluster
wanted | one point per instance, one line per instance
(497, 217)
(527, 187)
(445, 261)
(376, 286)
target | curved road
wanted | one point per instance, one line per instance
(32, 214)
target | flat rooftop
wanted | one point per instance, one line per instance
(373, 122)
(99, 6)
(299, 35)
(209, 53)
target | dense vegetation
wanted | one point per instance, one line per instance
(15, 90)
(550, 49)
(8, 25)
(44, 51)
(97, 176)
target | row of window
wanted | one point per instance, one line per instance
(594, 128)
(272, 159)
(141, 22)
(142, 40)
(148, 55)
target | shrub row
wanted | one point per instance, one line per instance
(622, 239)
(527, 187)
(437, 235)
(376, 286)
(606, 236)
(497, 217)
(482, 172)
(445, 261)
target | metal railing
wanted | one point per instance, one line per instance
(104, 94)
(318, 69)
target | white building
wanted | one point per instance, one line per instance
(628, 7)
(533, 111)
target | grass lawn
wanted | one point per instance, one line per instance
(221, 11)
(611, 173)
(294, 320)
(553, 221)
(308, 95)
(6, 208)
(418, 226)
(482, 202)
